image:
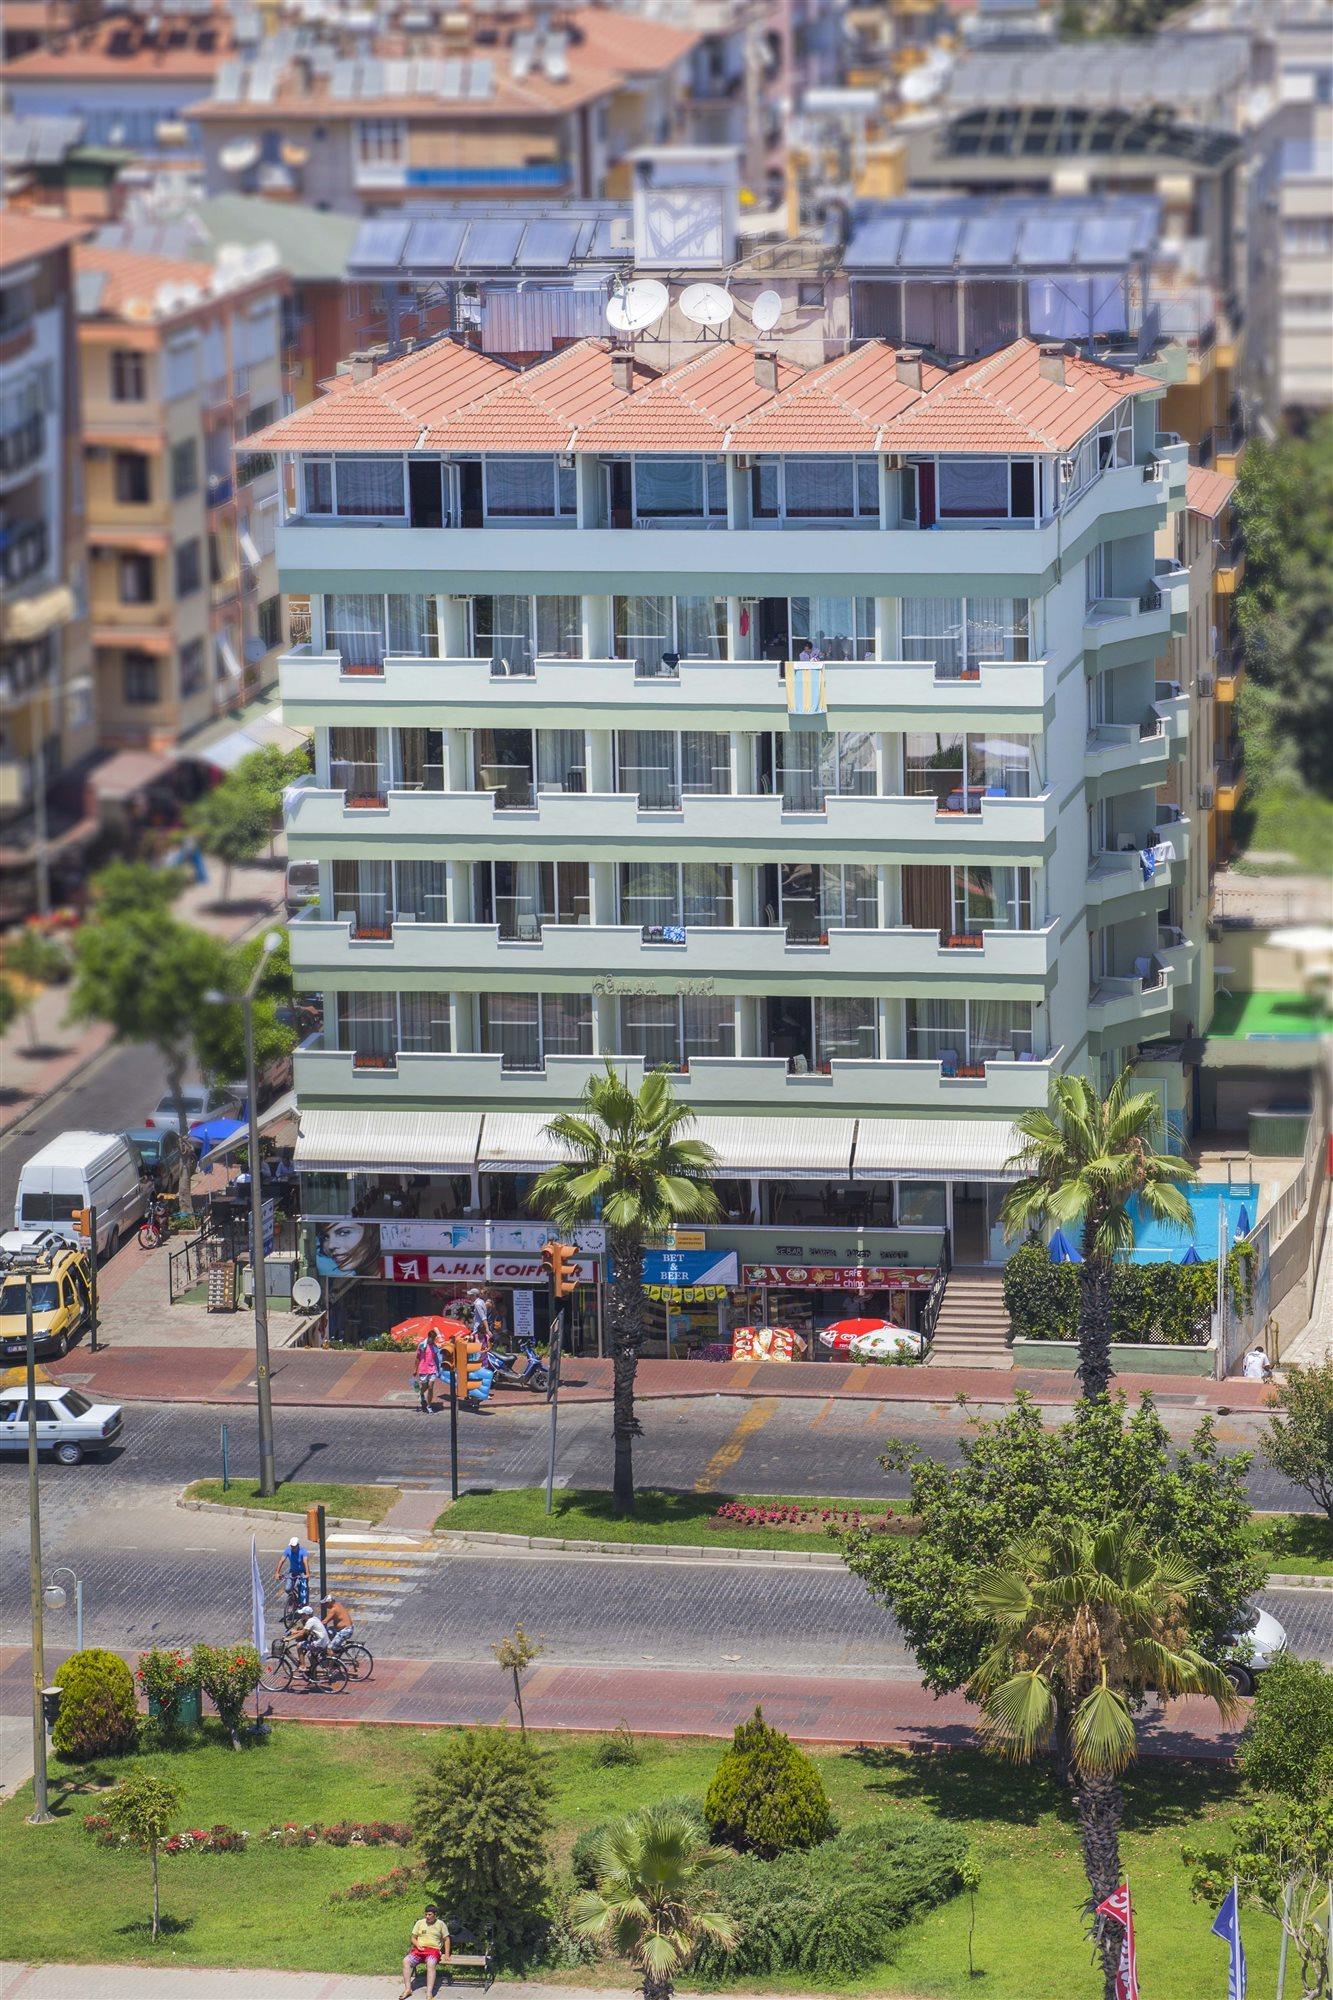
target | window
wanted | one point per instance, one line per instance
(362, 627)
(252, 465)
(381, 141)
(1110, 444)
(136, 579)
(367, 1025)
(952, 1032)
(958, 633)
(815, 489)
(808, 766)
(832, 628)
(663, 764)
(847, 1030)
(514, 631)
(520, 897)
(660, 894)
(270, 622)
(523, 1029)
(129, 376)
(181, 369)
(184, 468)
(809, 899)
(369, 487)
(130, 475)
(261, 417)
(193, 668)
(189, 572)
(139, 677)
(674, 489)
(973, 488)
(424, 1023)
(317, 481)
(991, 899)
(657, 632)
(995, 766)
(526, 487)
(668, 1030)
(354, 765)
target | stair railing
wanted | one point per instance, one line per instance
(930, 1311)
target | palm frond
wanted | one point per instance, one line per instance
(1102, 1735)
(1020, 1714)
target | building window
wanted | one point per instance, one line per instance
(524, 1028)
(184, 469)
(968, 1031)
(957, 634)
(513, 631)
(668, 1030)
(357, 487)
(129, 377)
(270, 623)
(252, 465)
(680, 489)
(526, 487)
(815, 489)
(136, 579)
(131, 479)
(189, 573)
(381, 141)
(194, 668)
(139, 677)
(361, 627)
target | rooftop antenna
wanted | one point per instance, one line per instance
(707, 306)
(766, 311)
(633, 307)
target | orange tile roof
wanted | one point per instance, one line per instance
(135, 274)
(449, 398)
(23, 236)
(120, 46)
(1208, 492)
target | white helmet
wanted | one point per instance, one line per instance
(295, 1542)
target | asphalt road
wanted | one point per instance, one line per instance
(118, 1089)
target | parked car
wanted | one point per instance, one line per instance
(61, 1294)
(302, 886)
(69, 1426)
(202, 1101)
(159, 1148)
(1260, 1637)
(82, 1170)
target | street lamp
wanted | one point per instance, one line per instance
(56, 1597)
(268, 1481)
(26, 1262)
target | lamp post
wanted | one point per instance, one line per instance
(268, 1481)
(56, 1598)
(40, 1815)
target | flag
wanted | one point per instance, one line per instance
(256, 1598)
(1226, 1925)
(1119, 1906)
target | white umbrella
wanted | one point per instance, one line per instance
(1305, 940)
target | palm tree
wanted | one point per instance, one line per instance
(652, 1898)
(1085, 1160)
(629, 1166)
(1086, 1620)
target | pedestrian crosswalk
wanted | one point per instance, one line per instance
(372, 1574)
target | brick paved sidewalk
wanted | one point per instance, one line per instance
(191, 1982)
(355, 1380)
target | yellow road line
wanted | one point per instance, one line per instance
(756, 1416)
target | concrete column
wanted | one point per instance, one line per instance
(602, 892)
(598, 628)
(601, 761)
(451, 616)
(886, 628)
(604, 1035)
(457, 759)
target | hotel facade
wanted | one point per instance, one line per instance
(801, 731)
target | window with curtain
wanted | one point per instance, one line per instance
(560, 627)
(820, 488)
(370, 487)
(522, 486)
(766, 489)
(701, 628)
(854, 769)
(368, 1024)
(354, 765)
(650, 893)
(708, 1026)
(801, 892)
(927, 898)
(933, 630)
(999, 1030)
(561, 760)
(997, 629)
(937, 1028)
(837, 628)
(420, 891)
(645, 629)
(845, 1028)
(1001, 765)
(504, 764)
(992, 899)
(502, 631)
(705, 761)
(566, 1024)
(420, 759)
(361, 891)
(424, 1023)
(317, 482)
(650, 1028)
(973, 488)
(412, 626)
(706, 894)
(646, 763)
(805, 761)
(851, 897)
(669, 488)
(511, 1028)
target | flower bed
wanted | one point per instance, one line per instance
(812, 1520)
(341, 1833)
(219, 1839)
(406, 1876)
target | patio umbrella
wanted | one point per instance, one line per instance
(211, 1132)
(424, 1324)
(1191, 1256)
(1243, 1221)
(1304, 940)
(844, 1331)
(1062, 1250)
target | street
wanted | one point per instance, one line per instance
(117, 1090)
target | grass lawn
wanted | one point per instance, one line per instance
(356, 1503)
(1282, 819)
(1296, 1544)
(237, 1909)
(1239, 1015)
(684, 1518)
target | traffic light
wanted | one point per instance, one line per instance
(312, 1524)
(82, 1218)
(558, 1261)
(468, 1360)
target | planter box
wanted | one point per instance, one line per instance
(1127, 1358)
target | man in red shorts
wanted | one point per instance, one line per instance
(430, 1944)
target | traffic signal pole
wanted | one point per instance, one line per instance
(558, 1260)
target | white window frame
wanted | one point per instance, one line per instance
(1108, 445)
(381, 142)
(860, 517)
(557, 512)
(331, 459)
(709, 514)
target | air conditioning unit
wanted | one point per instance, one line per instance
(1207, 683)
(744, 461)
(1154, 472)
(1207, 795)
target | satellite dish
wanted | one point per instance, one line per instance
(638, 305)
(766, 311)
(306, 1294)
(706, 305)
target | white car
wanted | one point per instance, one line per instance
(68, 1425)
(201, 1101)
(885, 1344)
(1264, 1638)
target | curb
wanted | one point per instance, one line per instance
(670, 1551)
(268, 1514)
(1279, 1582)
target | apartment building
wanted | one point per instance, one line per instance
(127, 74)
(46, 704)
(803, 731)
(178, 360)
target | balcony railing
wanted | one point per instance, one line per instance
(24, 550)
(21, 445)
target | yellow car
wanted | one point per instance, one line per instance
(60, 1295)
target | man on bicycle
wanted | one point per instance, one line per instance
(337, 1622)
(312, 1639)
(293, 1570)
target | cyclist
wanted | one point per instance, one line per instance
(293, 1570)
(337, 1622)
(312, 1638)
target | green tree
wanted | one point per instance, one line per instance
(133, 888)
(1299, 1442)
(1018, 1477)
(1084, 1160)
(9, 1005)
(229, 1676)
(1085, 1621)
(766, 1796)
(1280, 1854)
(233, 823)
(98, 1716)
(147, 976)
(483, 1823)
(142, 1809)
(220, 1035)
(514, 1654)
(630, 1166)
(653, 1901)
(1287, 1743)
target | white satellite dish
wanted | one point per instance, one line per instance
(637, 306)
(766, 311)
(306, 1294)
(706, 305)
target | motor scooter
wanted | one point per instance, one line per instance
(524, 1370)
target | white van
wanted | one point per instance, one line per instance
(98, 1170)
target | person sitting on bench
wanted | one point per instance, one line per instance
(430, 1944)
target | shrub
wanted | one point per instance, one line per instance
(98, 1716)
(228, 1675)
(586, 1853)
(482, 1823)
(1172, 1301)
(166, 1676)
(833, 1914)
(767, 1796)
(617, 1748)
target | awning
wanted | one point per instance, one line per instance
(128, 772)
(281, 1108)
(812, 1149)
(227, 754)
(972, 1149)
(515, 1142)
(29, 617)
(439, 1142)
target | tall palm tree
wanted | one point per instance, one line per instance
(652, 1900)
(1085, 1621)
(630, 1166)
(1085, 1160)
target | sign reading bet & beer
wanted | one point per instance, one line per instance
(838, 1277)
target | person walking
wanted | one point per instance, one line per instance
(428, 1374)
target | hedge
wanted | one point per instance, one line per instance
(1171, 1303)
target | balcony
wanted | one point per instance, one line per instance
(616, 694)
(1124, 756)
(1173, 453)
(1228, 563)
(1228, 783)
(1117, 887)
(1120, 630)
(1140, 1002)
(759, 960)
(22, 444)
(754, 1085)
(25, 549)
(606, 826)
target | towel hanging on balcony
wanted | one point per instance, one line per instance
(1148, 862)
(805, 687)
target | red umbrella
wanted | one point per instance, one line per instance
(844, 1331)
(424, 1324)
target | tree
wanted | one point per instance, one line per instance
(9, 1005)
(142, 1809)
(653, 1900)
(232, 823)
(1299, 1443)
(220, 1037)
(229, 1676)
(766, 1796)
(1085, 1622)
(1286, 1745)
(133, 888)
(631, 1167)
(514, 1654)
(482, 1824)
(1084, 1161)
(147, 976)
(98, 1716)
(1281, 1857)
(1017, 1477)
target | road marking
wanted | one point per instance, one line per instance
(236, 1374)
(350, 1380)
(755, 1417)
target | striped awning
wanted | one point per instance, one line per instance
(438, 1142)
(779, 1148)
(972, 1149)
(515, 1142)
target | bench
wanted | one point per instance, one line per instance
(474, 1958)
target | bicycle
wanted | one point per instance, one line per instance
(287, 1666)
(358, 1659)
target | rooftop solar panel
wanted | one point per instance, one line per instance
(434, 246)
(989, 242)
(342, 83)
(399, 77)
(549, 246)
(370, 83)
(1110, 239)
(874, 244)
(930, 243)
(492, 245)
(227, 83)
(378, 246)
(480, 78)
(451, 78)
(1048, 242)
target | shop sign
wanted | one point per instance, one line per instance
(348, 1246)
(688, 1239)
(686, 1295)
(424, 1269)
(689, 1267)
(838, 1277)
